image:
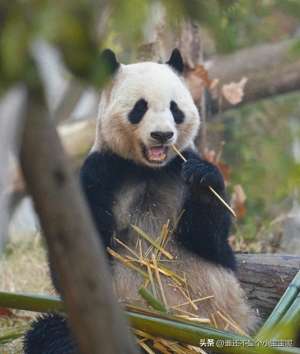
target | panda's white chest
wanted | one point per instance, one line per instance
(147, 204)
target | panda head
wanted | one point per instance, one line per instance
(144, 110)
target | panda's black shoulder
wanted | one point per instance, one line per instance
(110, 167)
(98, 165)
(106, 169)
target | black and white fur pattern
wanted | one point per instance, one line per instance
(125, 184)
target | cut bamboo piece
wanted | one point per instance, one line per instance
(194, 301)
(231, 323)
(126, 262)
(151, 241)
(163, 296)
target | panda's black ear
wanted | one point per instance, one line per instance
(108, 58)
(176, 61)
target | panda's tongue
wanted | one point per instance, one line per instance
(156, 153)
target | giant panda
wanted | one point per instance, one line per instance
(132, 176)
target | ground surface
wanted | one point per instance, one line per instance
(23, 268)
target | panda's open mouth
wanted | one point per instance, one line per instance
(156, 154)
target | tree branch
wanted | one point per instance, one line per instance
(271, 69)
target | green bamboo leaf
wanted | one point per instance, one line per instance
(151, 300)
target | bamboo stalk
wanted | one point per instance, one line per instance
(288, 326)
(293, 313)
(281, 308)
(209, 187)
(185, 333)
(155, 324)
(192, 333)
(30, 302)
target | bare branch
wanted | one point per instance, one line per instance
(271, 69)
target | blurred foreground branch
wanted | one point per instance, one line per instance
(93, 311)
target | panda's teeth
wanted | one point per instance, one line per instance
(157, 153)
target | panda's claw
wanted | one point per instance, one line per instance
(203, 174)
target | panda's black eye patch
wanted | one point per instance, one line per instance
(138, 111)
(177, 112)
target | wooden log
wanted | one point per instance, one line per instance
(265, 277)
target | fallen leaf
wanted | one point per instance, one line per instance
(238, 201)
(214, 88)
(234, 91)
(4, 312)
(197, 80)
(215, 158)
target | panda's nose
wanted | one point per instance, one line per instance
(162, 137)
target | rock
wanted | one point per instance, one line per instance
(290, 242)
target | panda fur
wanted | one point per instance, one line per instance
(133, 177)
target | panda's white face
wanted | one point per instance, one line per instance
(146, 109)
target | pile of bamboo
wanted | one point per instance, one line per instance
(165, 329)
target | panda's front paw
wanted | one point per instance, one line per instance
(203, 174)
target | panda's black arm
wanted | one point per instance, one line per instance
(99, 177)
(205, 224)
